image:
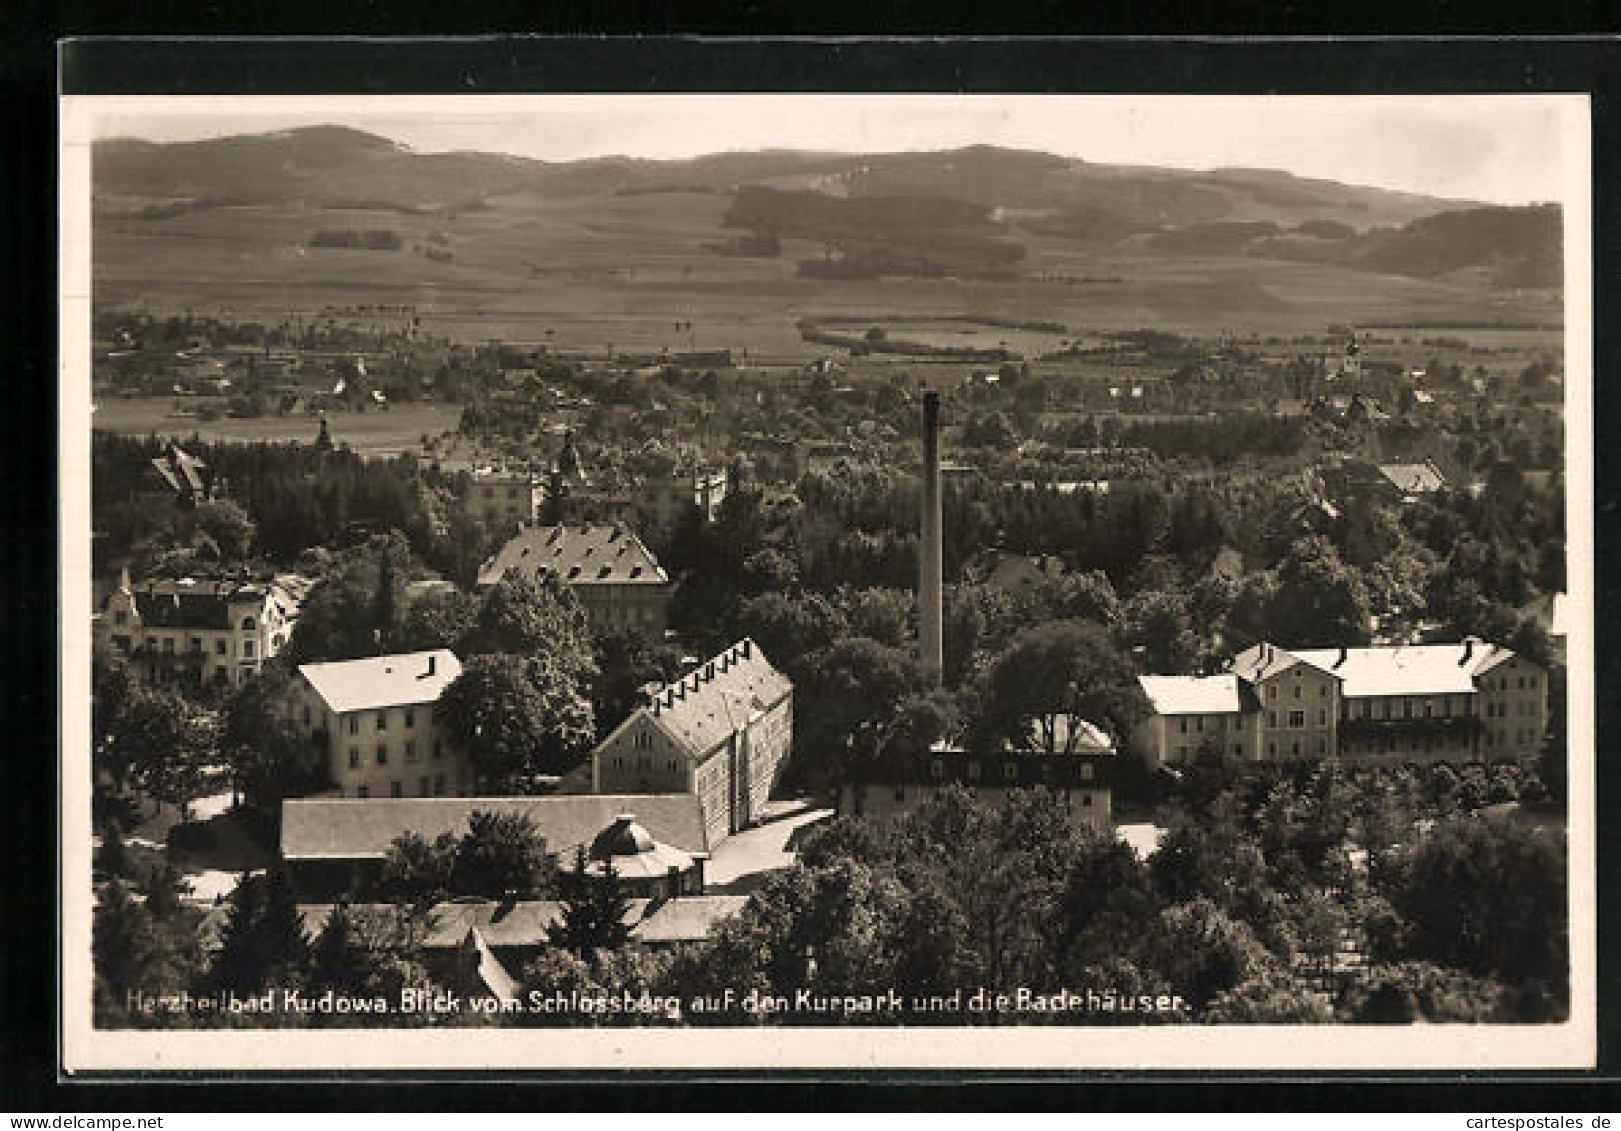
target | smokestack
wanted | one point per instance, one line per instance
(931, 612)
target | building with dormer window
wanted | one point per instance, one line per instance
(611, 571)
(723, 732)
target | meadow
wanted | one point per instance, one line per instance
(636, 273)
(399, 429)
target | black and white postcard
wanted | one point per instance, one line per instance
(761, 581)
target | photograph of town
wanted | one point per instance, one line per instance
(701, 563)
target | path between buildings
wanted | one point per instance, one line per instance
(744, 859)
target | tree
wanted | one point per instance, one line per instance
(1108, 896)
(594, 910)
(338, 960)
(850, 692)
(501, 855)
(263, 941)
(522, 616)
(418, 872)
(1159, 626)
(628, 661)
(340, 619)
(1488, 895)
(439, 618)
(168, 741)
(789, 628)
(268, 755)
(1320, 602)
(132, 950)
(113, 689)
(112, 857)
(1202, 951)
(228, 525)
(1274, 997)
(1052, 678)
(165, 889)
(515, 718)
(1405, 992)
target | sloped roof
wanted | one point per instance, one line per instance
(1411, 669)
(608, 554)
(712, 702)
(1192, 694)
(364, 828)
(1263, 660)
(688, 918)
(205, 602)
(182, 472)
(1413, 478)
(398, 680)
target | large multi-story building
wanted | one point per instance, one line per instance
(374, 717)
(503, 498)
(615, 576)
(722, 732)
(1429, 702)
(202, 630)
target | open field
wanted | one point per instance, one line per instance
(584, 273)
(398, 430)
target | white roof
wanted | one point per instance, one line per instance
(712, 702)
(1191, 694)
(399, 680)
(1411, 669)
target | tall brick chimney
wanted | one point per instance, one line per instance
(931, 613)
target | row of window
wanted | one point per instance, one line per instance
(642, 763)
(1272, 689)
(1522, 709)
(410, 751)
(425, 788)
(381, 720)
(1297, 719)
(121, 618)
(220, 646)
(1010, 770)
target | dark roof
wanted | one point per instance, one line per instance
(364, 828)
(578, 555)
(193, 603)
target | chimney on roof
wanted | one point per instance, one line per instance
(433, 663)
(1344, 653)
(744, 648)
(1468, 650)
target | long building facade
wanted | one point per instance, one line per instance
(1468, 701)
(722, 732)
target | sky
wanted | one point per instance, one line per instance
(1509, 149)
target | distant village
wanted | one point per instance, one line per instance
(1198, 671)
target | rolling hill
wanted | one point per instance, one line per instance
(321, 214)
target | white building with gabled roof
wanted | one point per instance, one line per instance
(722, 732)
(1472, 700)
(374, 717)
